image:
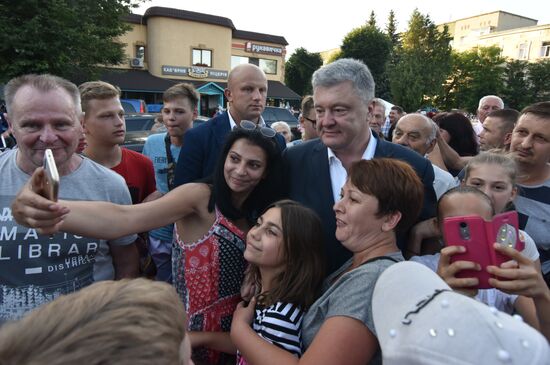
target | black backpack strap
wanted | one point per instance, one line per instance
(171, 165)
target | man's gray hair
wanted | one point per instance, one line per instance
(281, 123)
(346, 69)
(45, 83)
(429, 124)
(433, 132)
(380, 103)
(491, 97)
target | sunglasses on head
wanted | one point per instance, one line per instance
(251, 126)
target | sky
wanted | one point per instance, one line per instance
(321, 25)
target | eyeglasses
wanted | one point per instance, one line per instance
(313, 121)
(251, 126)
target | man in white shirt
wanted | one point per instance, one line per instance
(343, 93)
(487, 104)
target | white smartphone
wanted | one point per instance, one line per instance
(51, 187)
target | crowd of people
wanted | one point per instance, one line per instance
(333, 249)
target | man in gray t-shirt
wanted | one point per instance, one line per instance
(44, 112)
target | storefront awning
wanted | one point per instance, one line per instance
(143, 81)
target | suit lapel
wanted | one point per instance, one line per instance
(383, 148)
(321, 172)
(221, 128)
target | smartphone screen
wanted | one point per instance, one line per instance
(51, 186)
(469, 231)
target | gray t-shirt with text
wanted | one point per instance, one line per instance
(35, 268)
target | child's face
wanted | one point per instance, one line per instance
(495, 182)
(456, 205)
(264, 242)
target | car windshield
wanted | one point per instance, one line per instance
(128, 107)
(274, 114)
(141, 123)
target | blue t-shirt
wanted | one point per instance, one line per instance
(155, 149)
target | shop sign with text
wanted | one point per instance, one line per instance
(262, 48)
(194, 72)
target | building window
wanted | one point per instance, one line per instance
(238, 60)
(268, 66)
(202, 57)
(140, 52)
(523, 52)
(545, 49)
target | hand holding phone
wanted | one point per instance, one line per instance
(51, 185)
(478, 237)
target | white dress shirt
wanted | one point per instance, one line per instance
(233, 124)
(338, 173)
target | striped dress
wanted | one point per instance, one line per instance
(281, 325)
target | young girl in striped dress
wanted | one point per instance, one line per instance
(284, 249)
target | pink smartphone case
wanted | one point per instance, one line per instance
(478, 236)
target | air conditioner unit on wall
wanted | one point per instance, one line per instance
(136, 62)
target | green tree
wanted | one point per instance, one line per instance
(391, 32)
(516, 92)
(372, 20)
(62, 37)
(474, 73)
(391, 29)
(424, 63)
(299, 68)
(335, 56)
(538, 76)
(372, 46)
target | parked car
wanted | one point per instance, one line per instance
(133, 105)
(138, 128)
(272, 114)
(154, 108)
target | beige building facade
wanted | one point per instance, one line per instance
(517, 36)
(166, 46)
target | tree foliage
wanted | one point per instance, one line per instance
(391, 32)
(537, 77)
(372, 20)
(372, 46)
(391, 29)
(483, 71)
(526, 83)
(424, 63)
(299, 68)
(335, 56)
(474, 73)
(62, 37)
(515, 88)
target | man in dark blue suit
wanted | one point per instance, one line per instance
(246, 94)
(317, 170)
